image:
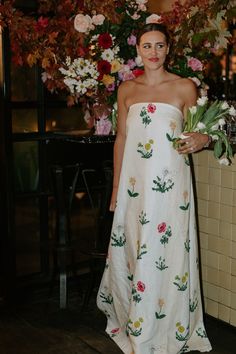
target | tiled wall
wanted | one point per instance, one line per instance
(216, 201)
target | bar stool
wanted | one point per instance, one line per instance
(98, 185)
(64, 181)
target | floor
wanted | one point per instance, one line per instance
(38, 326)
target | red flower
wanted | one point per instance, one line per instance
(41, 23)
(104, 40)
(151, 108)
(161, 227)
(104, 67)
(140, 286)
(138, 72)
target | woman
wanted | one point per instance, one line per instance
(150, 289)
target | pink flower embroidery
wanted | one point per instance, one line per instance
(195, 64)
(151, 108)
(161, 227)
(115, 330)
(140, 286)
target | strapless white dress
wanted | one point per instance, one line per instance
(150, 290)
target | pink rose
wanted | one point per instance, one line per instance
(151, 108)
(131, 63)
(83, 23)
(161, 227)
(98, 20)
(195, 64)
(103, 127)
(140, 286)
(128, 76)
(131, 40)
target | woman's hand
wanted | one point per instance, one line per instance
(194, 142)
(113, 199)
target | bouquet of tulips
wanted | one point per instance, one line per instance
(210, 118)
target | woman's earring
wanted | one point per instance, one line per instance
(138, 61)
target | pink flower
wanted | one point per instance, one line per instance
(128, 76)
(98, 20)
(151, 108)
(140, 286)
(111, 87)
(83, 23)
(195, 80)
(131, 63)
(131, 40)
(195, 64)
(161, 227)
(103, 127)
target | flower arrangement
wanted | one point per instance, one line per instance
(210, 119)
(86, 49)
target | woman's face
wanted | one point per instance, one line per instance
(153, 49)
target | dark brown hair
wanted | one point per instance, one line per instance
(150, 27)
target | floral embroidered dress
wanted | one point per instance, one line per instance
(150, 289)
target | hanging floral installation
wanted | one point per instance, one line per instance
(86, 48)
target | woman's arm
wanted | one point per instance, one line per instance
(119, 142)
(194, 141)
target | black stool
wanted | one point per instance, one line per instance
(98, 185)
(64, 180)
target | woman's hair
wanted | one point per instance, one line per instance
(150, 27)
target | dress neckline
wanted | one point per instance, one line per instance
(157, 103)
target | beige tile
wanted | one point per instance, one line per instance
(233, 284)
(214, 193)
(234, 231)
(234, 197)
(233, 251)
(212, 160)
(225, 264)
(233, 317)
(224, 313)
(203, 256)
(204, 272)
(225, 297)
(203, 174)
(233, 214)
(214, 176)
(203, 223)
(225, 247)
(212, 277)
(213, 292)
(213, 226)
(202, 191)
(212, 259)
(234, 180)
(212, 308)
(226, 213)
(204, 288)
(213, 243)
(203, 158)
(233, 301)
(195, 159)
(203, 240)
(233, 266)
(225, 230)
(202, 207)
(225, 280)
(213, 210)
(226, 178)
(195, 173)
(226, 196)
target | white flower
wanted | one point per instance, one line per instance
(225, 105)
(215, 137)
(232, 111)
(202, 100)
(154, 18)
(224, 161)
(221, 122)
(193, 109)
(201, 125)
(108, 55)
(141, 2)
(98, 19)
(138, 61)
